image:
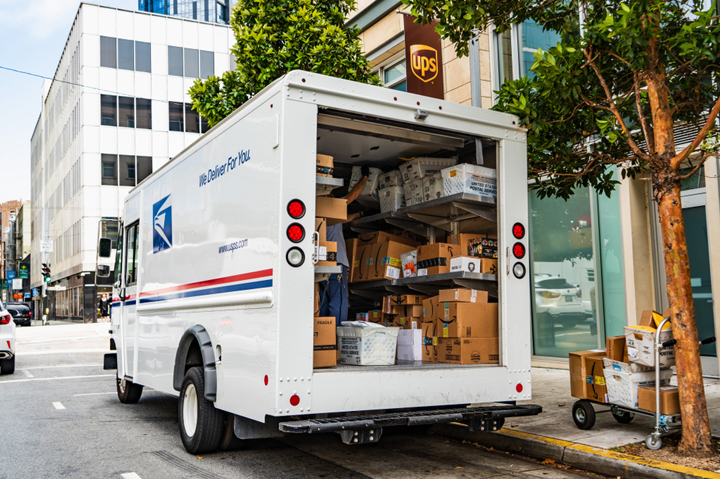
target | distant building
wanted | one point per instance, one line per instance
(216, 11)
(8, 255)
(120, 112)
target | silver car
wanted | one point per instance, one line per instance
(7, 342)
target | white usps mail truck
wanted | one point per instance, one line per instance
(214, 302)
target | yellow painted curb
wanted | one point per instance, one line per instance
(614, 455)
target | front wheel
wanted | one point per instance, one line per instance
(201, 425)
(653, 442)
(128, 392)
(583, 414)
(7, 366)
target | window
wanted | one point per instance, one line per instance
(192, 63)
(118, 259)
(176, 116)
(126, 54)
(192, 119)
(108, 110)
(127, 112)
(143, 113)
(109, 169)
(207, 64)
(129, 171)
(533, 37)
(108, 54)
(142, 57)
(131, 255)
(175, 61)
(392, 74)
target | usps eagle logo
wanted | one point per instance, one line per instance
(162, 225)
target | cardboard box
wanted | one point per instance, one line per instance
(669, 399)
(324, 342)
(430, 350)
(488, 266)
(465, 263)
(334, 210)
(321, 228)
(430, 306)
(324, 165)
(466, 320)
(405, 299)
(380, 236)
(595, 388)
(615, 347)
(377, 316)
(411, 310)
(409, 322)
(361, 256)
(462, 295)
(468, 350)
(410, 345)
(435, 258)
(316, 307)
(578, 370)
(351, 249)
(640, 342)
(383, 261)
(327, 253)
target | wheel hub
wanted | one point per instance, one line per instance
(189, 410)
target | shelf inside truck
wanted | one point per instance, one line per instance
(325, 184)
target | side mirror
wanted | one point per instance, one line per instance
(105, 247)
(103, 271)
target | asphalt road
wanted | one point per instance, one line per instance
(60, 417)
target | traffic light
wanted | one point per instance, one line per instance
(46, 272)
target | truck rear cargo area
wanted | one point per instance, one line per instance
(421, 241)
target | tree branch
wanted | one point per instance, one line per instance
(709, 123)
(697, 167)
(646, 128)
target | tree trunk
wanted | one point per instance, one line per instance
(696, 439)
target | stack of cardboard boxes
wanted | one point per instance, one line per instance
(460, 326)
(377, 256)
(622, 374)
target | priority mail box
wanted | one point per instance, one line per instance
(466, 320)
(324, 342)
(468, 350)
(334, 210)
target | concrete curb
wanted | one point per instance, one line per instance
(588, 458)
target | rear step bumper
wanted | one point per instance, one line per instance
(481, 418)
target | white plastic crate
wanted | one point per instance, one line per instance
(432, 186)
(407, 192)
(391, 178)
(640, 342)
(419, 167)
(369, 194)
(367, 344)
(472, 179)
(623, 387)
(391, 198)
(625, 367)
(417, 191)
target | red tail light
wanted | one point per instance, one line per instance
(519, 250)
(30, 314)
(296, 233)
(5, 319)
(296, 209)
(518, 230)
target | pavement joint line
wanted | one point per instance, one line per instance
(613, 455)
(67, 366)
(56, 378)
(58, 405)
(28, 373)
(62, 351)
(130, 475)
(93, 394)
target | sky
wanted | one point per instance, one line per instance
(32, 37)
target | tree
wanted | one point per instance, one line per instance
(273, 38)
(609, 95)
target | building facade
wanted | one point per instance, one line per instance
(607, 251)
(120, 112)
(216, 11)
(8, 244)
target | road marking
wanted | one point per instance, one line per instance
(58, 405)
(63, 351)
(130, 475)
(27, 373)
(93, 394)
(56, 378)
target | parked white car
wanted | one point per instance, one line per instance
(560, 299)
(7, 342)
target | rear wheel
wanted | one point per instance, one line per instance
(201, 425)
(229, 441)
(128, 392)
(7, 366)
(583, 414)
(623, 417)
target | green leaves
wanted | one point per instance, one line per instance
(273, 38)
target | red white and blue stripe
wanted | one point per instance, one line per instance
(239, 282)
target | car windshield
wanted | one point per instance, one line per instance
(555, 283)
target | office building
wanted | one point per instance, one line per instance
(216, 11)
(120, 112)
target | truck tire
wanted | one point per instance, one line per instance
(7, 366)
(229, 441)
(130, 393)
(201, 425)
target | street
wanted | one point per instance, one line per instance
(60, 417)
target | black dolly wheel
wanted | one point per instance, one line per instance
(623, 417)
(583, 414)
(128, 392)
(229, 441)
(7, 366)
(201, 425)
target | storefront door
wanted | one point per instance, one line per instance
(696, 232)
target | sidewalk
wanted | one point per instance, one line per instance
(553, 435)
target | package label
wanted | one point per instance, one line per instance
(422, 272)
(391, 261)
(393, 273)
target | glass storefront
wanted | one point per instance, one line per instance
(69, 303)
(577, 268)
